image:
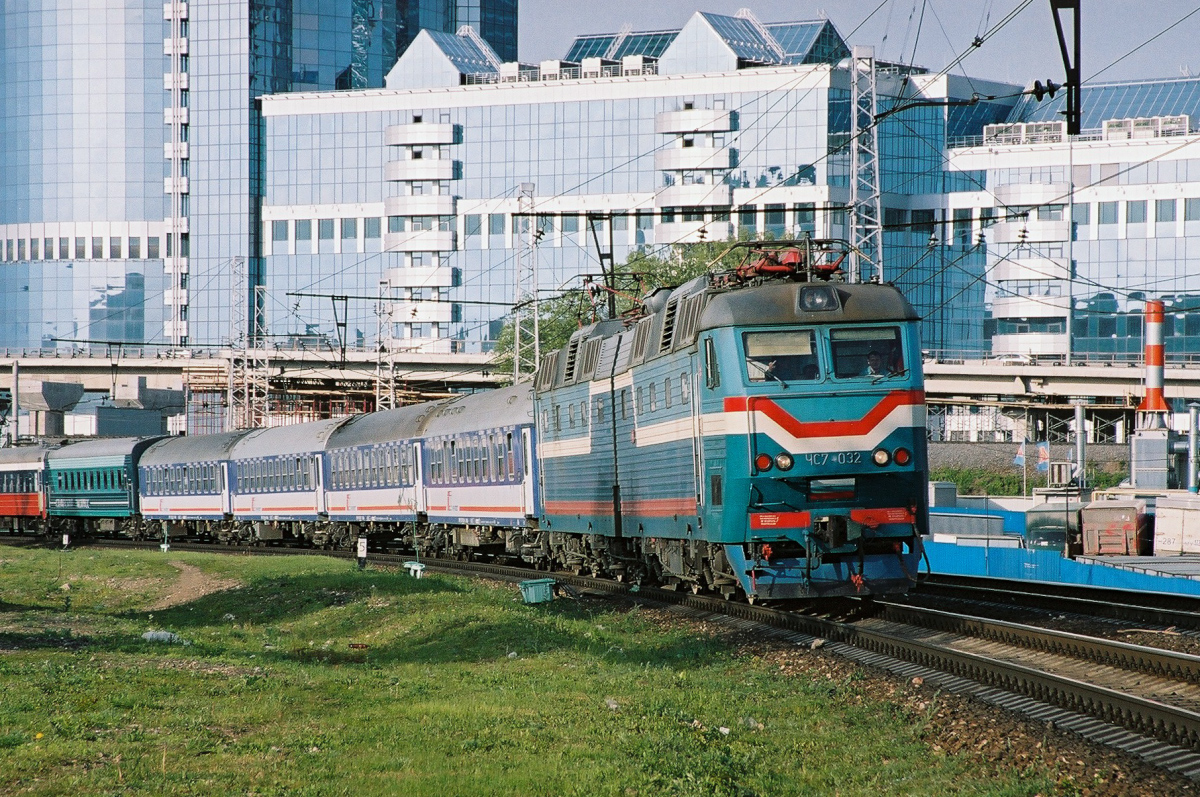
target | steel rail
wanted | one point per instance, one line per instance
(1112, 653)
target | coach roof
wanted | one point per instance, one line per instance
(186, 450)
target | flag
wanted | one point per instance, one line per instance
(1043, 456)
(1019, 459)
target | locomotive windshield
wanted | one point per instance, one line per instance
(781, 356)
(876, 352)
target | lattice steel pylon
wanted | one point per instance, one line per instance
(527, 349)
(866, 214)
(246, 402)
(385, 361)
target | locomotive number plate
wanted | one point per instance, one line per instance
(835, 458)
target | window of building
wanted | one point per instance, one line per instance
(775, 219)
(152, 247)
(570, 223)
(33, 249)
(371, 228)
(279, 230)
(135, 248)
(97, 248)
(21, 249)
(495, 224)
(397, 223)
(325, 229)
(1050, 212)
(114, 248)
(473, 224)
(80, 248)
(923, 221)
(693, 214)
(303, 230)
(1106, 212)
(1191, 209)
(962, 226)
(1081, 214)
(48, 248)
(806, 217)
(1135, 211)
(349, 229)
(748, 217)
(1164, 210)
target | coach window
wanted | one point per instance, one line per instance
(667, 392)
(455, 475)
(624, 401)
(557, 418)
(583, 414)
(639, 406)
(653, 396)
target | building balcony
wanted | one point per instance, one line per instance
(1035, 344)
(424, 205)
(172, 115)
(171, 46)
(422, 170)
(1028, 194)
(179, 224)
(172, 185)
(1030, 307)
(682, 196)
(1032, 268)
(689, 232)
(427, 312)
(422, 133)
(175, 81)
(420, 241)
(421, 277)
(1036, 231)
(173, 328)
(694, 120)
(175, 10)
(175, 296)
(179, 148)
(694, 159)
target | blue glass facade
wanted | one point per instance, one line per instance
(131, 150)
(81, 168)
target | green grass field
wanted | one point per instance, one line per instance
(462, 689)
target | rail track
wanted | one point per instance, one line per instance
(1143, 700)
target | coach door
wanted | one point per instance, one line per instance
(528, 473)
(420, 499)
(316, 477)
(226, 488)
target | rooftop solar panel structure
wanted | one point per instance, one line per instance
(651, 43)
(743, 38)
(462, 52)
(1125, 100)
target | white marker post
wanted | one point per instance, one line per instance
(362, 553)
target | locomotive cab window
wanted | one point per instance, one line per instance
(789, 356)
(868, 353)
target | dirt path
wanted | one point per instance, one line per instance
(193, 583)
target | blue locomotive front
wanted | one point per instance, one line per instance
(758, 433)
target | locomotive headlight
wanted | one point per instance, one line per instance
(901, 456)
(881, 457)
(784, 461)
(762, 462)
(817, 298)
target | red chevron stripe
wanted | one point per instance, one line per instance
(768, 407)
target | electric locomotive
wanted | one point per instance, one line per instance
(760, 432)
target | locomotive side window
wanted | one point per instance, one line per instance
(712, 376)
(789, 356)
(871, 353)
(684, 385)
(667, 392)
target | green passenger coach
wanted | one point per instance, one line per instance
(92, 486)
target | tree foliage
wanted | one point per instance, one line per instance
(641, 274)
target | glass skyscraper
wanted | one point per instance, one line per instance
(131, 149)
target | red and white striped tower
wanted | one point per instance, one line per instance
(1154, 400)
